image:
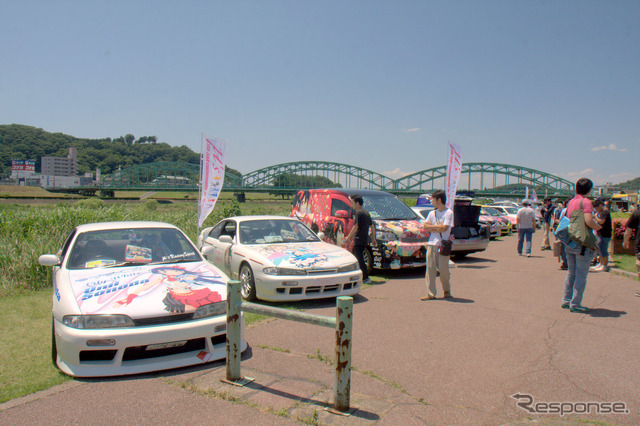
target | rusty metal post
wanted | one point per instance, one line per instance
(342, 385)
(234, 331)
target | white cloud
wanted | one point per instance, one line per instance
(610, 147)
(415, 129)
(583, 173)
(396, 173)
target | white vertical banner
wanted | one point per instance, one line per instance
(211, 175)
(454, 168)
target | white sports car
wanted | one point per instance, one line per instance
(278, 258)
(134, 297)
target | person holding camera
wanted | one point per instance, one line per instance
(439, 223)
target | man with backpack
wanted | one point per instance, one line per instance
(579, 255)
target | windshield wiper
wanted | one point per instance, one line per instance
(176, 260)
(116, 265)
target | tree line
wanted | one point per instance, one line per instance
(20, 142)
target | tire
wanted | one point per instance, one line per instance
(54, 348)
(248, 283)
(460, 255)
(368, 259)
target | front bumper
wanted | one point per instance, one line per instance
(204, 341)
(274, 288)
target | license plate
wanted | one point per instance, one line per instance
(166, 345)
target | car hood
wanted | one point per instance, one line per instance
(402, 228)
(316, 255)
(147, 290)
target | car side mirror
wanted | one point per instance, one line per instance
(225, 239)
(49, 260)
(342, 214)
(208, 251)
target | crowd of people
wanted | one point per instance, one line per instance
(578, 259)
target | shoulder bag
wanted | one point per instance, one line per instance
(445, 245)
(579, 231)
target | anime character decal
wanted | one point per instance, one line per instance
(142, 289)
(300, 256)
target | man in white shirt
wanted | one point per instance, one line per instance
(439, 223)
(526, 224)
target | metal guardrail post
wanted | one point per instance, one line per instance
(342, 324)
(234, 331)
(342, 385)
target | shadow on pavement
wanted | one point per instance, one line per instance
(605, 313)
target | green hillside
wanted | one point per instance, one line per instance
(30, 143)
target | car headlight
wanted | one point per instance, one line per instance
(283, 271)
(386, 236)
(211, 310)
(97, 321)
(349, 267)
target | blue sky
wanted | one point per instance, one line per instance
(384, 85)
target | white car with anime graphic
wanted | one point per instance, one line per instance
(278, 258)
(134, 297)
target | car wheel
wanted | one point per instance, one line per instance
(460, 255)
(54, 348)
(368, 259)
(248, 283)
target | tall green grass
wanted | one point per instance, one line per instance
(28, 232)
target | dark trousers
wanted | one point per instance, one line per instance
(358, 252)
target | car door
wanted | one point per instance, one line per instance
(222, 249)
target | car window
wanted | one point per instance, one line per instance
(229, 229)
(387, 207)
(217, 230)
(270, 231)
(339, 205)
(130, 246)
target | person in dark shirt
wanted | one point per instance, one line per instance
(633, 224)
(360, 234)
(547, 214)
(603, 236)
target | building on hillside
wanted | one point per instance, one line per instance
(60, 166)
(23, 172)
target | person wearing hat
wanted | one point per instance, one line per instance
(526, 225)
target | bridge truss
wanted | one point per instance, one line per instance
(288, 177)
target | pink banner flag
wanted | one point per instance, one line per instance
(534, 196)
(454, 168)
(211, 175)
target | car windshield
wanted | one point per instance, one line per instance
(493, 212)
(511, 210)
(387, 207)
(125, 247)
(269, 231)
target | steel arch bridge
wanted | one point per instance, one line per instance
(288, 177)
(486, 173)
(306, 172)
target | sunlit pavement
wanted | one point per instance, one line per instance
(444, 361)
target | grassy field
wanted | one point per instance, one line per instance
(27, 231)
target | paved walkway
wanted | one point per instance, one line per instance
(456, 361)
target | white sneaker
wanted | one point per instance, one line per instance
(597, 268)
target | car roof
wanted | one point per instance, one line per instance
(353, 191)
(101, 226)
(260, 217)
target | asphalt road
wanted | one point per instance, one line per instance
(454, 361)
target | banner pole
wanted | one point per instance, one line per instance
(200, 185)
